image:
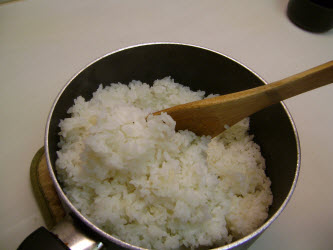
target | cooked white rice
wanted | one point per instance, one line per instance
(150, 186)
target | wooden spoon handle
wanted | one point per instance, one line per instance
(209, 116)
(250, 101)
(298, 84)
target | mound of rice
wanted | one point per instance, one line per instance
(150, 186)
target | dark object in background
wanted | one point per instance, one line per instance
(311, 15)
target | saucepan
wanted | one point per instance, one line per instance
(200, 69)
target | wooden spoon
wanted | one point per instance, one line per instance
(211, 116)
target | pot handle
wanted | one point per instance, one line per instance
(64, 236)
(42, 239)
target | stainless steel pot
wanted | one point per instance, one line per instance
(199, 68)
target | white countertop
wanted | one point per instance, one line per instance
(44, 43)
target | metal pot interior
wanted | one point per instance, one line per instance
(200, 69)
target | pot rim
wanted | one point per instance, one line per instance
(115, 240)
